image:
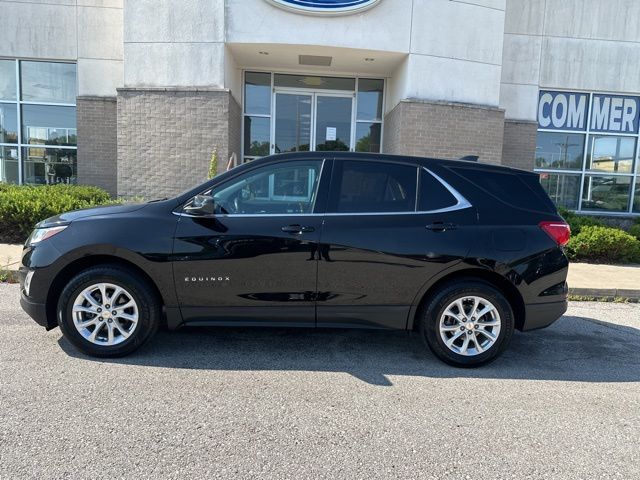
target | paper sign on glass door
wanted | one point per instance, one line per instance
(331, 134)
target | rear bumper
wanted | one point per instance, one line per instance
(541, 315)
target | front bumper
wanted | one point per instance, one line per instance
(541, 315)
(35, 310)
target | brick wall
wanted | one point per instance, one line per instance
(519, 145)
(166, 136)
(444, 130)
(97, 143)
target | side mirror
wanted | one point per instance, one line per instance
(201, 205)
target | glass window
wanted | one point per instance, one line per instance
(49, 125)
(293, 122)
(373, 187)
(8, 89)
(257, 93)
(607, 153)
(606, 193)
(9, 165)
(368, 137)
(256, 136)
(309, 81)
(8, 123)
(433, 195)
(48, 82)
(275, 189)
(49, 165)
(636, 197)
(370, 99)
(559, 150)
(563, 189)
(333, 123)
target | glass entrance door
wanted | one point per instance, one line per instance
(293, 125)
(312, 122)
(333, 123)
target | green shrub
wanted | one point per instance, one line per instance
(21, 207)
(576, 222)
(635, 230)
(604, 244)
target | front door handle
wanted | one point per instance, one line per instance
(441, 226)
(297, 229)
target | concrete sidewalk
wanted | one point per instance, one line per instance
(584, 278)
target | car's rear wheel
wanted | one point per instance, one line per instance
(467, 323)
(108, 311)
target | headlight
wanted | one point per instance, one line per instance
(40, 234)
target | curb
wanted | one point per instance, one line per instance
(605, 293)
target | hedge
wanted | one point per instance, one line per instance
(604, 244)
(576, 222)
(21, 207)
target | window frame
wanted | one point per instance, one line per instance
(21, 145)
(243, 158)
(585, 172)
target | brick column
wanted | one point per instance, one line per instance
(97, 142)
(166, 136)
(519, 146)
(444, 130)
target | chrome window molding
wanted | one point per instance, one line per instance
(461, 204)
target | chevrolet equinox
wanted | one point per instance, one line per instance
(460, 252)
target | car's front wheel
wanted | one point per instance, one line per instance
(108, 311)
(467, 323)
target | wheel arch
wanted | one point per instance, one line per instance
(73, 268)
(494, 279)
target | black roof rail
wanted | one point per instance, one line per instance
(470, 158)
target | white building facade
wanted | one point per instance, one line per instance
(135, 96)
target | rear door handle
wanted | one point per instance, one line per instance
(441, 226)
(297, 229)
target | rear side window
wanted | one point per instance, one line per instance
(521, 191)
(364, 187)
(433, 195)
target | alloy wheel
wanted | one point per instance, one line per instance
(105, 314)
(470, 325)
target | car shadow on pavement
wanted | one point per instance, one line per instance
(572, 349)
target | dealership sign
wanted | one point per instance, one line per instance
(573, 110)
(325, 7)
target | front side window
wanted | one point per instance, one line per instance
(289, 188)
(373, 187)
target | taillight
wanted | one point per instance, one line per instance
(559, 231)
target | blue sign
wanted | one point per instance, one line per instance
(615, 114)
(325, 7)
(570, 111)
(562, 110)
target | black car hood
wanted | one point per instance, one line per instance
(69, 217)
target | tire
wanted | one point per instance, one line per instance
(486, 336)
(137, 311)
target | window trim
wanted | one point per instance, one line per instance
(461, 202)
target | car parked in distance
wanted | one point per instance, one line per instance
(462, 253)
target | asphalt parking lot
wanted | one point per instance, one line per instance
(279, 403)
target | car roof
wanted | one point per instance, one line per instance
(382, 157)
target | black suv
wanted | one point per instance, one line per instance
(461, 252)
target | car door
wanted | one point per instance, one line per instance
(389, 228)
(252, 260)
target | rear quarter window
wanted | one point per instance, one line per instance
(519, 190)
